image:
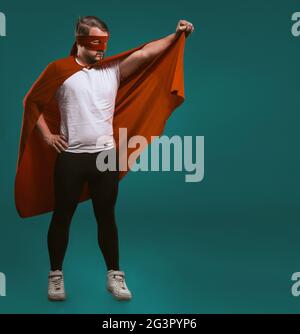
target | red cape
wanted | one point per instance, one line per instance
(144, 102)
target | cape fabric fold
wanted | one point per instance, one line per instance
(144, 102)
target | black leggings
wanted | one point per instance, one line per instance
(71, 171)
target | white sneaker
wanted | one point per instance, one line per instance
(117, 286)
(56, 288)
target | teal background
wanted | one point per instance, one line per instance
(228, 244)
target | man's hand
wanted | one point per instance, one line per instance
(59, 142)
(56, 141)
(186, 26)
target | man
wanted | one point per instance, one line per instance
(86, 102)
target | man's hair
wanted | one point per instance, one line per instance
(84, 23)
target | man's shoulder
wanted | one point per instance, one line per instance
(59, 67)
(111, 65)
(63, 63)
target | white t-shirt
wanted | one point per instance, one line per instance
(86, 102)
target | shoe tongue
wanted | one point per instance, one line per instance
(55, 273)
(117, 272)
(119, 276)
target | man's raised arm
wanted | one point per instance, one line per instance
(130, 64)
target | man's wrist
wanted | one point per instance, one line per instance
(45, 134)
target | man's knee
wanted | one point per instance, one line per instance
(62, 217)
(105, 213)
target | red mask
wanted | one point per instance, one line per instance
(86, 41)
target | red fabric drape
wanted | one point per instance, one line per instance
(144, 102)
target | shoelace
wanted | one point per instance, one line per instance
(121, 280)
(57, 281)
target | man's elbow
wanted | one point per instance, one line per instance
(145, 56)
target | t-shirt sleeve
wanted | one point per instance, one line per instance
(117, 70)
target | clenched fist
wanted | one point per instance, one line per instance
(185, 26)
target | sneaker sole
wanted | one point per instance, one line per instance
(116, 297)
(57, 298)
